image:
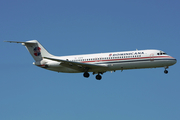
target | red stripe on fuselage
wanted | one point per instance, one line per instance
(128, 59)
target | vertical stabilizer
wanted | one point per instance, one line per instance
(35, 49)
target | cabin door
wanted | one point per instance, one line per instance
(152, 57)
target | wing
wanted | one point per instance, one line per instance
(77, 65)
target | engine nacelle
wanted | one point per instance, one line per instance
(46, 64)
(41, 63)
(53, 64)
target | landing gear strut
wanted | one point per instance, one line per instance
(86, 74)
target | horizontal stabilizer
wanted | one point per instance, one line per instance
(21, 42)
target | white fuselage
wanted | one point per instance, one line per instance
(115, 61)
(97, 63)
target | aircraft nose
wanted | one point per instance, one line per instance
(174, 60)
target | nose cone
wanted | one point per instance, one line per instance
(175, 61)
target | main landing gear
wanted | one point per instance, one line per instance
(98, 76)
(86, 75)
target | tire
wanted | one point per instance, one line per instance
(86, 75)
(165, 71)
(98, 77)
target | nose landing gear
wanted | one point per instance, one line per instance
(166, 71)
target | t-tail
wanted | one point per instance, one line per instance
(36, 50)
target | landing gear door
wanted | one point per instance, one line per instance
(152, 57)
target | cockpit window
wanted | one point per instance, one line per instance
(161, 53)
(164, 54)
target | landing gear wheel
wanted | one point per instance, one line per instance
(98, 77)
(165, 71)
(86, 74)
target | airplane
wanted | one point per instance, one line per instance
(97, 63)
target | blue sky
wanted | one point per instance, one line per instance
(81, 27)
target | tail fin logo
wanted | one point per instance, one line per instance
(37, 51)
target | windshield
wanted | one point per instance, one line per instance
(161, 53)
